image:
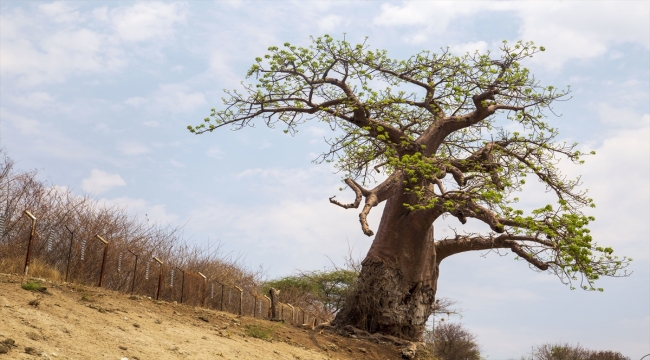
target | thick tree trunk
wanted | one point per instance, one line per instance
(397, 285)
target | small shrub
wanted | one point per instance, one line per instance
(33, 286)
(259, 331)
(453, 342)
(87, 297)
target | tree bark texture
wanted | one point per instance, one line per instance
(275, 303)
(396, 288)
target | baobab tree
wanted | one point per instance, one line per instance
(437, 131)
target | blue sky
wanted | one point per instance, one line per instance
(97, 95)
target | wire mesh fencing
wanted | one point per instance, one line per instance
(92, 256)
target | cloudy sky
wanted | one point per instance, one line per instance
(97, 96)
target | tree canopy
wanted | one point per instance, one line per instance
(415, 121)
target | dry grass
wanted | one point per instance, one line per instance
(37, 268)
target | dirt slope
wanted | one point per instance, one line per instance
(76, 322)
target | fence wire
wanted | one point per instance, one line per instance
(66, 250)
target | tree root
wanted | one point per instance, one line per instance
(408, 348)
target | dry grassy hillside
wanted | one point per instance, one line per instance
(69, 321)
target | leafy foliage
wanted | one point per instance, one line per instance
(259, 331)
(317, 290)
(32, 285)
(429, 116)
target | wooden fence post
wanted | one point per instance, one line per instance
(275, 302)
(241, 300)
(222, 295)
(268, 312)
(31, 241)
(293, 318)
(205, 288)
(303, 315)
(315, 321)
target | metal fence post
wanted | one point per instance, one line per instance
(67, 269)
(182, 282)
(31, 240)
(241, 300)
(222, 295)
(135, 269)
(101, 274)
(159, 277)
(205, 288)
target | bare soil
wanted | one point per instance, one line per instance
(70, 321)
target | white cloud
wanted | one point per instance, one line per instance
(104, 128)
(297, 229)
(151, 123)
(221, 67)
(37, 50)
(214, 152)
(316, 131)
(134, 148)
(140, 207)
(176, 163)
(580, 30)
(60, 12)
(618, 179)
(331, 23)
(174, 98)
(435, 16)
(235, 4)
(50, 42)
(56, 55)
(147, 20)
(35, 100)
(569, 30)
(188, 101)
(470, 47)
(621, 117)
(135, 101)
(100, 181)
(264, 144)
(24, 124)
(299, 224)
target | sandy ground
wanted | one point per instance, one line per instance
(77, 322)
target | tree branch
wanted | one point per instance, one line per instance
(373, 198)
(357, 191)
(459, 244)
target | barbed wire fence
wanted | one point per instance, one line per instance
(93, 255)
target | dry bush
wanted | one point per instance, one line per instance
(451, 341)
(571, 352)
(321, 292)
(58, 209)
